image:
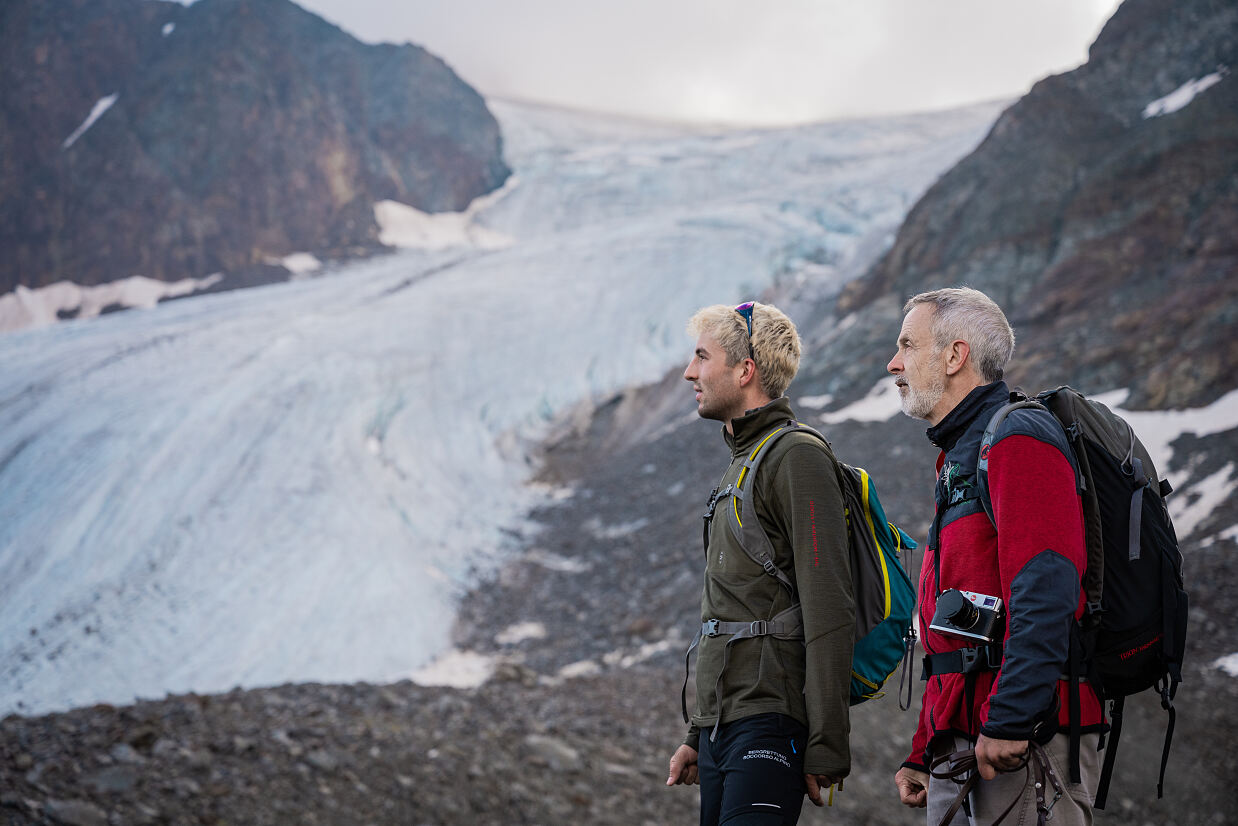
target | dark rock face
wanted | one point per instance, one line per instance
(1109, 238)
(250, 130)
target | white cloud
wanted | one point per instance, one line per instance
(738, 61)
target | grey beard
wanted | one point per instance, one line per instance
(919, 403)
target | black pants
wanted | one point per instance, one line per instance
(753, 774)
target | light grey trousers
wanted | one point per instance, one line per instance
(991, 797)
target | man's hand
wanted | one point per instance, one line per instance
(912, 787)
(994, 756)
(683, 767)
(818, 783)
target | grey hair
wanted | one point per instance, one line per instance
(963, 313)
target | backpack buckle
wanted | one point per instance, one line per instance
(969, 658)
(709, 628)
(759, 628)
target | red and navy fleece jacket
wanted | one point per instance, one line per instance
(1032, 555)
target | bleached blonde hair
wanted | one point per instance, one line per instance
(966, 314)
(775, 341)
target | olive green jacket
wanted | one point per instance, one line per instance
(799, 503)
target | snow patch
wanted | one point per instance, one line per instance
(881, 404)
(582, 668)
(1158, 429)
(456, 669)
(1190, 507)
(40, 307)
(300, 263)
(1228, 664)
(816, 402)
(552, 493)
(406, 227)
(627, 659)
(1183, 95)
(1230, 534)
(96, 112)
(519, 632)
(555, 562)
(600, 531)
(168, 28)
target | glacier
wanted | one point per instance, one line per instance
(296, 482)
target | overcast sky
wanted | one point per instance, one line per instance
(746, 61)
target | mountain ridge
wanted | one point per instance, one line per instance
(1107, 235)
(240, 132)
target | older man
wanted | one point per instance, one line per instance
(997, 686)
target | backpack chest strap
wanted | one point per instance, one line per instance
(788, 629)
(964, 661)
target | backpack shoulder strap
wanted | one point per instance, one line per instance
(1018, 402)
(742, 514)
(986, 443)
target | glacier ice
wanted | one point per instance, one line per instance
(295, 482)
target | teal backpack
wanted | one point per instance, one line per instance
(884, 595)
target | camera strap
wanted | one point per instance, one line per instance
(960, 767)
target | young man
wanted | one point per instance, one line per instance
(994, 696)
(771, 719)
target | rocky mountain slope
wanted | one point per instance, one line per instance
(1100, 216)
(226, 135)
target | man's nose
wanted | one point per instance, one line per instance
(895, 366)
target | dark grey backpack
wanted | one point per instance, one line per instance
(1133, 633)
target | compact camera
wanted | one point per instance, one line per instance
(967, 614)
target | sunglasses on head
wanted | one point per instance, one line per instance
(745, 311)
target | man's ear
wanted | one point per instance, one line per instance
(956, 356)
(749, 372)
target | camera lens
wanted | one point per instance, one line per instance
(957, 609)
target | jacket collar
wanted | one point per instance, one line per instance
(754, 424)
(946, 433)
